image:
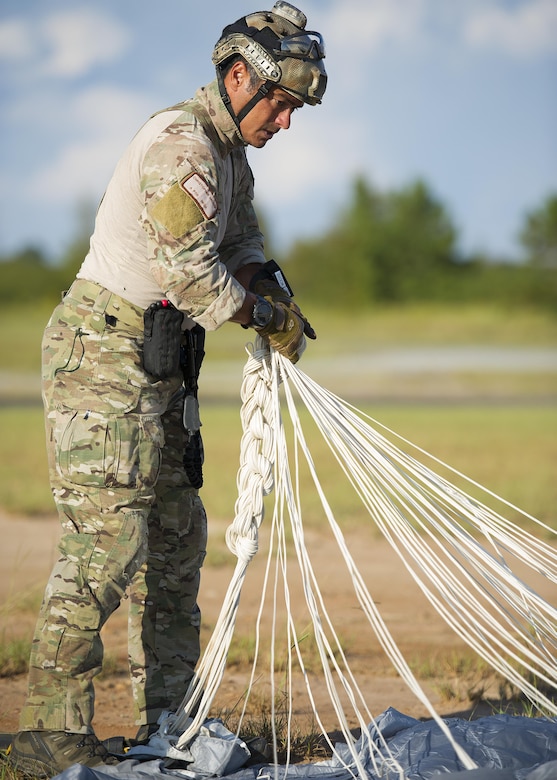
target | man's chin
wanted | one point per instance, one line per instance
(259, 143)
(266, 136)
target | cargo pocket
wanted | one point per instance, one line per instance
(91, 371)
(99, 450)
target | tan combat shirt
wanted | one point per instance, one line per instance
(177, 218)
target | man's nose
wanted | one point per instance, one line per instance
(283, 119)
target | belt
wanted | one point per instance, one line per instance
(102, 301)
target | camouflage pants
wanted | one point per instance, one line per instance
(132, 523)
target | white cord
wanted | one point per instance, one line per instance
(455, 548)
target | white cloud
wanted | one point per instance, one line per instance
(527, 29)
(99, 124)
(16, 40)
(365, 25)
(78, 40)
(300, 166)
(62, 45)
(357, 31)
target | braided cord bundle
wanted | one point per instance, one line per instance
(254, 482)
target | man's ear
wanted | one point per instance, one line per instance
(236, 76)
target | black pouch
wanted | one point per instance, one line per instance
(162, 334)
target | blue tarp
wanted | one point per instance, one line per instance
(504, 747)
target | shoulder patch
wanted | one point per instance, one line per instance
(198, 189)
(178, 212)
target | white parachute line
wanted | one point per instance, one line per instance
(292, 634)
(323, 404)
(475, 633)
(282, 565)
(272, 663)
(430, 524)
(434, 538)
(448, 540)
(261, 609)
(295, 642)
(278, 526)
(280, 460)
(315, 397)
(392, 475)
(326, 652)
(485, 559)
(401, 487)
(359, 414)
(277, 530)
(366, 600)
(486, 562)
(419, 552)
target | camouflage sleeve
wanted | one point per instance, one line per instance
(183, 222)
(243, 242)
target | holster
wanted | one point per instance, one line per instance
(162, 331)
(192, 353)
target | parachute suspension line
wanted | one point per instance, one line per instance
(435, 528)
(399, 494)
(328, 649)
(319, 616)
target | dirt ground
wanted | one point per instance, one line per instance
(29, 549)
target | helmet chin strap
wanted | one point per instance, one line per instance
(261, 92)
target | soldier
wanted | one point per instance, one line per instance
(176, 250)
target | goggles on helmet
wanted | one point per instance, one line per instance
(305, 45)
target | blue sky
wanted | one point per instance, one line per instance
(462, 93)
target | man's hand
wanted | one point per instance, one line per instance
(285, 329)
(270, 282)
(295, 309)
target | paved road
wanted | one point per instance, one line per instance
(440, 359)
(459, 371)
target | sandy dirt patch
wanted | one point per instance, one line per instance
(29, 550)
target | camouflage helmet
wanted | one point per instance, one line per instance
(280, 50)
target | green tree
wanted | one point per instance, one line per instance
(25, 276)
(415, 246)
(384, 247)
(539, 235)
(79, 246)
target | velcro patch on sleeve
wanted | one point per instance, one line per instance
(198, 189)
(177, 211)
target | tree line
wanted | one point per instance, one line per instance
(384, 247)
(402, 246)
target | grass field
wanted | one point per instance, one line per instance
(499, 428)
(338, 333)
(511, 450)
